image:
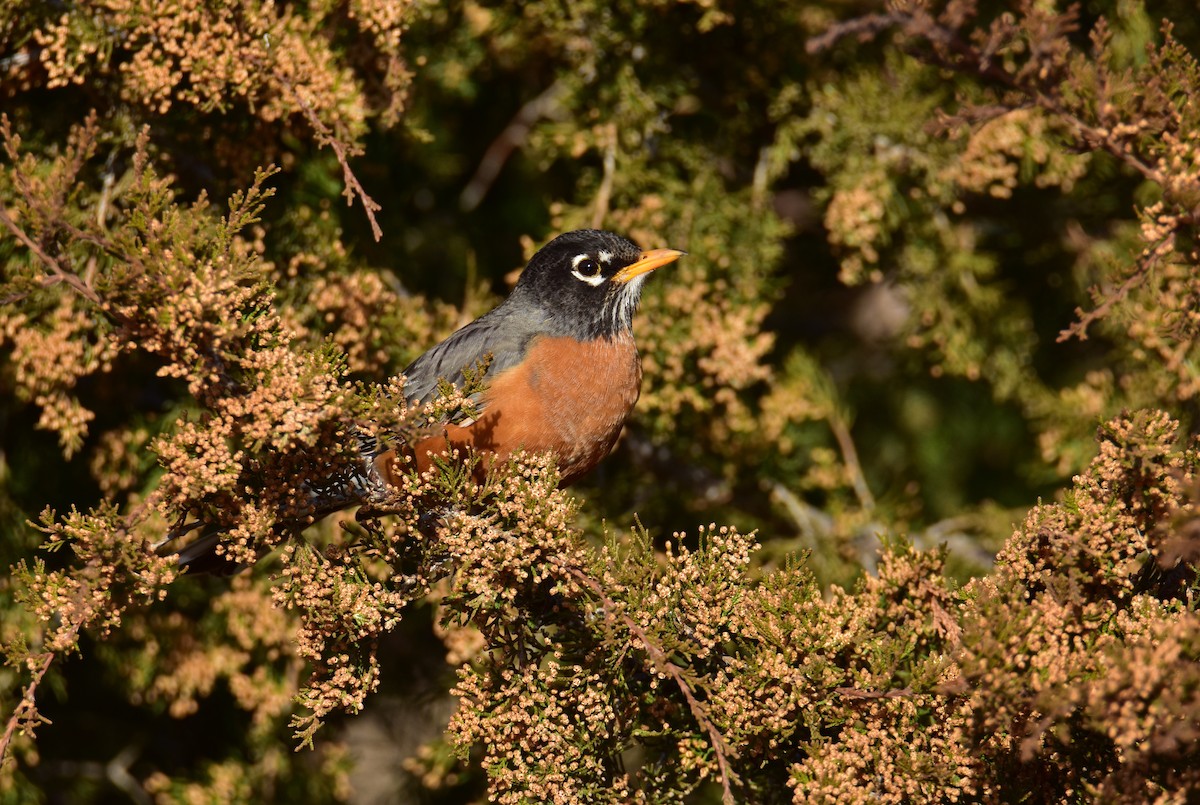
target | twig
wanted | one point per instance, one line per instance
(812, 523)
(1141, 272)
(106, 187)
(26, 710)
(45, 282)
(762, 176)
(1097, 139)
(63, 274)
(951, 533)
(659, 658)
(115, 772)
(856, 693)
(510, 139)
(850, 457)
(326, 137)
(866, 27)
(606, 183)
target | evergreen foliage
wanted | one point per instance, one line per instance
(932, 360)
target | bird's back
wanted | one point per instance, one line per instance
(503, 336)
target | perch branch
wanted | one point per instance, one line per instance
(664, 665)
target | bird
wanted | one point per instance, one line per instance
(562, 376)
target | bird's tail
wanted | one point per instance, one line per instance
(194, 546)
(331, 488)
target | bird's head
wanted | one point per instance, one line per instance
(589, 282)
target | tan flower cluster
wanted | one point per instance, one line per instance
(118, 459)
(697, 591)
(1146, 700)
(464, 643)
(1067, 650)
(257, 659)
(115, 570)
(1164, 321)
(267, 774)
(288, 401)
(227, 782)
(722, 357)
(540, 726)
(1098, 543)
(378, 329)
(203, 461)
(703, 351)
(1017, 143)
(895, 751)
(49, 357)
(211, 315)
(347, 599)
(352, 308)
(211, 55)
(860, 668)
(336, 604)
(858, 222)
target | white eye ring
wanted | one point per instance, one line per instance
(585, 269)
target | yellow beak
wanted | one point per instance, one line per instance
(655, 258)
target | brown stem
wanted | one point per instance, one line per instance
(660, 661)
(1139, 275)
(866, 27)
(55, 267)
(604, 194)
(858, 693)
(513, 137)
(853, 466)
(26, 710)
(326, 137)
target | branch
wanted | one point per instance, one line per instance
(326, 137)
(1099, 140)
(55, 267)
(850, 456)
(865, 28)
(812, 524)
(26, 711)
(1139, 275)
(510, 139)
(659, 658)
(856, 693)
(604, 194)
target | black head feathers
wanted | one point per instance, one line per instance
(588, 282)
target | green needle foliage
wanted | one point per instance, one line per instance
(931, 361)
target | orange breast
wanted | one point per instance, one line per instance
(567, 396)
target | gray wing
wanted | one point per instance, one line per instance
(504, 334)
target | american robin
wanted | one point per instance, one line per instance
(563, 375)
(564, 371)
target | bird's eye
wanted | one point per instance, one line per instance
(586, 269)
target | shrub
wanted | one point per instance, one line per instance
(942, 272)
